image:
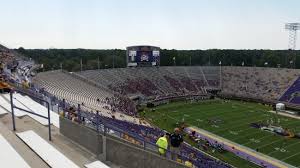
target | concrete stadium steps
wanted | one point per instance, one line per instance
(3, 110)
(27, 103)
(9, 157)
(162, 81)
(74, 152)
(153, 75)
(211, 74)
(47, 152)
(96, 164)
(175, 73)
(204, 77)
(191, 78)
(26, 154)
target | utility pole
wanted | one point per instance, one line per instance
(113, 63)
(174, 61)
(98, 62)
(81, 64)
(220, 63)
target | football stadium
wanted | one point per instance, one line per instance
(227, 116)
(157, 84)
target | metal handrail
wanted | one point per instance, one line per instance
(15, 107)
(97, 123)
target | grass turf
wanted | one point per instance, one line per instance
(234, 118)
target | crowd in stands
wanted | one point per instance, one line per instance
(141, 85)
(6, 57)
(257, 82)
(7, 60)
(12, 63)
(121, 103)
(116, 85)
(156, 82)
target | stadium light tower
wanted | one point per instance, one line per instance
(292, 28)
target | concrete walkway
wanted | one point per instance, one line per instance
(27, 154)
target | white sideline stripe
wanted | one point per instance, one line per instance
(46, 151)
(96, 164)
(9, 157)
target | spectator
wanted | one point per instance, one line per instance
(162, 144)
(176, 140)
(1, 67)
(188, 163)
(25, 84)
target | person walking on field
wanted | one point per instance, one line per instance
(162, 144)
(175, 141)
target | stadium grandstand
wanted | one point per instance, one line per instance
(99, 115)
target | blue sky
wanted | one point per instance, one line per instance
(178, 24)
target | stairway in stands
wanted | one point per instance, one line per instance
(24, 149)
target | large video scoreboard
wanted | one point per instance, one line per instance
(143, 56)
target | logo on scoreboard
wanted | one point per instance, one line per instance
(144, 56)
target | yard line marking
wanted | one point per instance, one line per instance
(267, 136)
(224, 112)
(237, 125)
(291, 156)
(262, 146)
(288, 146)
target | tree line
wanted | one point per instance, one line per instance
(86, 59)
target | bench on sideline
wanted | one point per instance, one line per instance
(46, 151)
(96, 164)
(9, 156)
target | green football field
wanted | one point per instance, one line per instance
(231, 120)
